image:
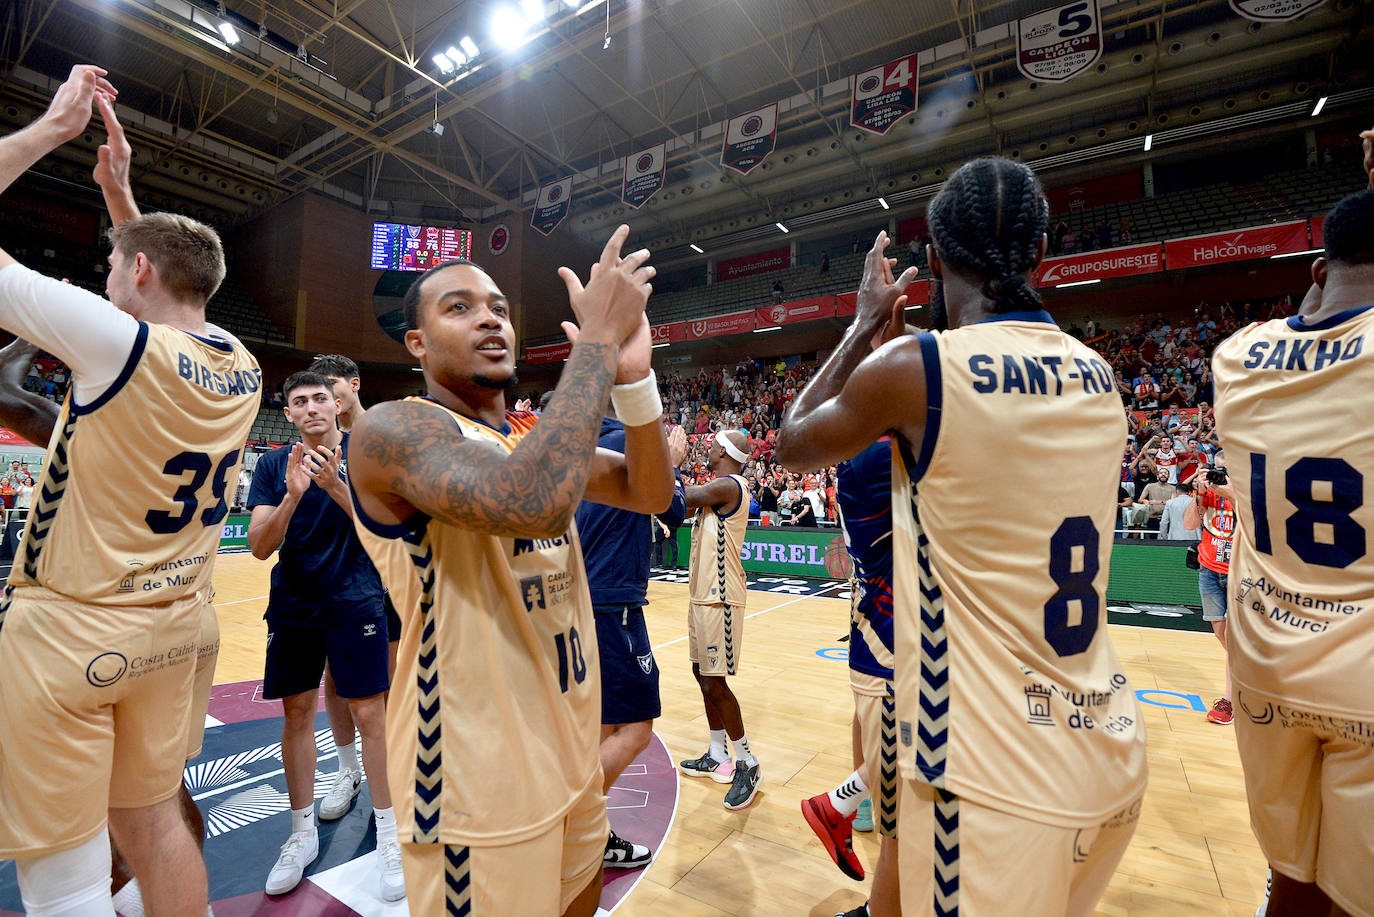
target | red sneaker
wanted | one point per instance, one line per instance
(836, 833)
(1220, 713)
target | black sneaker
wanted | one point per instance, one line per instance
(621, 854)
(707, 766)
(860, 911)
(744, 786)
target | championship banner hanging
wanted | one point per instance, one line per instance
(884, 95)
(1273, 10)
(644, 173)
(551, 205)
(749, 139)
(1059, 44)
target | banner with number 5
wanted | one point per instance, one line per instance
(884, 95)
(1059, 44)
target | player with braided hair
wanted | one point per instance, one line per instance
(1018, 736)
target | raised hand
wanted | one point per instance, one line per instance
(297, 478)
(70, 109)
(112, 167)
(677, 445)
(879, 294)
(16, 358)
(611, 305)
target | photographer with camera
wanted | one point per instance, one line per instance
(1214, 511)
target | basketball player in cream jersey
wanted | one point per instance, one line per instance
(494, 719)
(101, 623)
(715, 615)
(1020, 746)
(1292, 407)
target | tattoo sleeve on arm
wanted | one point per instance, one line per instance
(421, 456)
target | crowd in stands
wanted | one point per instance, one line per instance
(1065, 240)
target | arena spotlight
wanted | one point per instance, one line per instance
(1149, 141)
(458, 57)
(444, 63)
(697, 248)
(226, 29)
(1321, 103)
(508, 27)
(883, 201)
(534, 11)
(469, 46)
(782, 227)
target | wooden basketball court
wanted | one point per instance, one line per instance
(1193, 852)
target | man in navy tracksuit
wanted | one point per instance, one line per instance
(615, 547)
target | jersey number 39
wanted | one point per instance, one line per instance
(199, 465)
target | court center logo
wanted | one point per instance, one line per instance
(106, 669)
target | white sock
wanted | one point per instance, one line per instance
(129, 900)
(348, 757)
(718, 745)
(742, 751)
(847, 796)
(386, 824)
(303, 819)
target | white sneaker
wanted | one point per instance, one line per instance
(298, 852)
(393, 880)
(339, 799)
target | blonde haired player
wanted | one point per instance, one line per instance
(1019, 739)
(1292, 409)
(715, 615)
(493, 725)
(101, 624)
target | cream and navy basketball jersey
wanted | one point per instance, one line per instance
(1009, 692)
(1293, 406)
(494, 719)
(135, 485)
(716, 574)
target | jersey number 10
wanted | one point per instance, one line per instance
(187, 495)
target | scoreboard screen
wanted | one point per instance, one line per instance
(398, 247)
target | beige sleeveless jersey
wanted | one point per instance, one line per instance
(1009, 692)
(134, 489)
(494, 719)
(716, 575)
(1293, 404)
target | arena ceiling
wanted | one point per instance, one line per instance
(342, 97)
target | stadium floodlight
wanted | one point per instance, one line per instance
(458, 57)
(782, 227)
(572, 4)
(508, 27)
(231, 34)
(1149, 141)
(468, 45)
(773, 328)
(1077, 283)
(883, 201)
(1321, 103)
(534, 10)
(697, 248)
(444, 63)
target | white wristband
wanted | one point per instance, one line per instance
(637, 403)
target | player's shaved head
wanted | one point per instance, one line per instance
(1348, 231)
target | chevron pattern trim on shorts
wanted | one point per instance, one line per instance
(429, 769)
(946, 854)
(887, 768)
(457, 882)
